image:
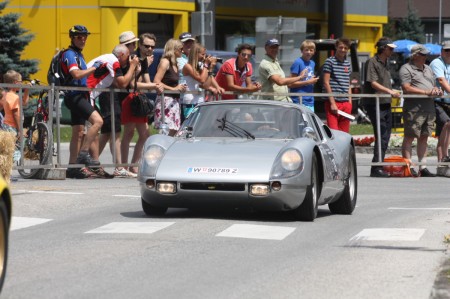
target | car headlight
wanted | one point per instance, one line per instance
(152, 157)
(288, 163)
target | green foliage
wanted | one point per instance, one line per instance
(411, 26)
(13, 40)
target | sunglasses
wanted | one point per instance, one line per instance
(149, 46)
(246, 55)
(423, 55)
(80, 37)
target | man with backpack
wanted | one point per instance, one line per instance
(74, 68)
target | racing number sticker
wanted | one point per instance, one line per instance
(214, 170)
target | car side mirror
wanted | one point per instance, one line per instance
(309, 132)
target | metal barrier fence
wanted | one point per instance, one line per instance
(54, 104)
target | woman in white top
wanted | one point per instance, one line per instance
(198, 76)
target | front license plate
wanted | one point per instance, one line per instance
(214, 170)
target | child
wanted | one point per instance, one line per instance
(11, 103)
(304, 65)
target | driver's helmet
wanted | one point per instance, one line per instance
(77, 30)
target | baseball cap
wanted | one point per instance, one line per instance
(386, 42)
(127, 37)
(445, 45)
(272, 41)
(185, 36)
(416, 49)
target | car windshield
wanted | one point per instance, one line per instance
(238, 120)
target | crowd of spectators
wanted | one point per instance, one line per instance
(186, 70)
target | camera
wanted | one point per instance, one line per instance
(220, 60)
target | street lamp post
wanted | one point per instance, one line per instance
(440, 20)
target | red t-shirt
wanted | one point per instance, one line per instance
(229, 67)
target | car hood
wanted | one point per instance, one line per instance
(227, 160)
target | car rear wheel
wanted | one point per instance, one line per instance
(4, 231)
(347, 201)
(151, 210)
(307, 211)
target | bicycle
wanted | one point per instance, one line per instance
(38, 139)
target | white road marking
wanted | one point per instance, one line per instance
(130, 228)
(394, 208)
(251, 231)
(124, 195)
(389, 234)
(51, 192)
(23, 222)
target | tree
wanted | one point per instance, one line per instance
(13, 40)
(411, 26)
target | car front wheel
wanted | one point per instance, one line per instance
(151, 210)
(307, 211)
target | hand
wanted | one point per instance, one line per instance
(304, 74)
(314, 80)
(395, 93)
(159, 87)
(134, 60)
(334, 109)
(97, 64)
(181, 87)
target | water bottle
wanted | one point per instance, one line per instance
(164, 129)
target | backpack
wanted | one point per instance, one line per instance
(398, 170)
(55, 73)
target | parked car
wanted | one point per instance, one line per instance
(265, 155)
(5, 221)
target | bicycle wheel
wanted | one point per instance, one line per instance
(37, 152)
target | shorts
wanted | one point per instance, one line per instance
(128, 117)
(105, 112)
(79, 106)
(418, 124)
(442, 116)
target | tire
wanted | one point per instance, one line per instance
(151, 210)
(307, 211)
(38, 153)
(347, 201)
(4, 238)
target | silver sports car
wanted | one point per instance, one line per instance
(263, 155)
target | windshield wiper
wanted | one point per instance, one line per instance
(236, 131)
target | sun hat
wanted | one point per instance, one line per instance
(127, 37)
(416, 49)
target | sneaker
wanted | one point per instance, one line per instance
(101, 173)
(413, 172)
(426, 173)
(86, 159)
(77, 173)
(123, 173)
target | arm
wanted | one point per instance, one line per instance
(16, 116)
(163, 66)
(378, 87)
(444, 84)
(124, 81)
(327, 86)
(201, 77)
(277, 79)
(407, 88)
(79, 74)
(301, 83)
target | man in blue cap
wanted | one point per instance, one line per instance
(272, 75)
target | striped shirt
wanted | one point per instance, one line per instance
(339, 76)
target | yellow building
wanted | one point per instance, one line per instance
(50, 20)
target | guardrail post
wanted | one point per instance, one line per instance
(112, 141)
(377, 113)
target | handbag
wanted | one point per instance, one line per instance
(140, 104)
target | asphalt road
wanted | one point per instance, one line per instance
(91, 239)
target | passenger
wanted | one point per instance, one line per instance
(168, 75)
(336, 79)
(378, 81)
(110, 74)
(272, 75)
(441, 69)
(304, 64)
(418, 113)
(147, 42)
(235, 74)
